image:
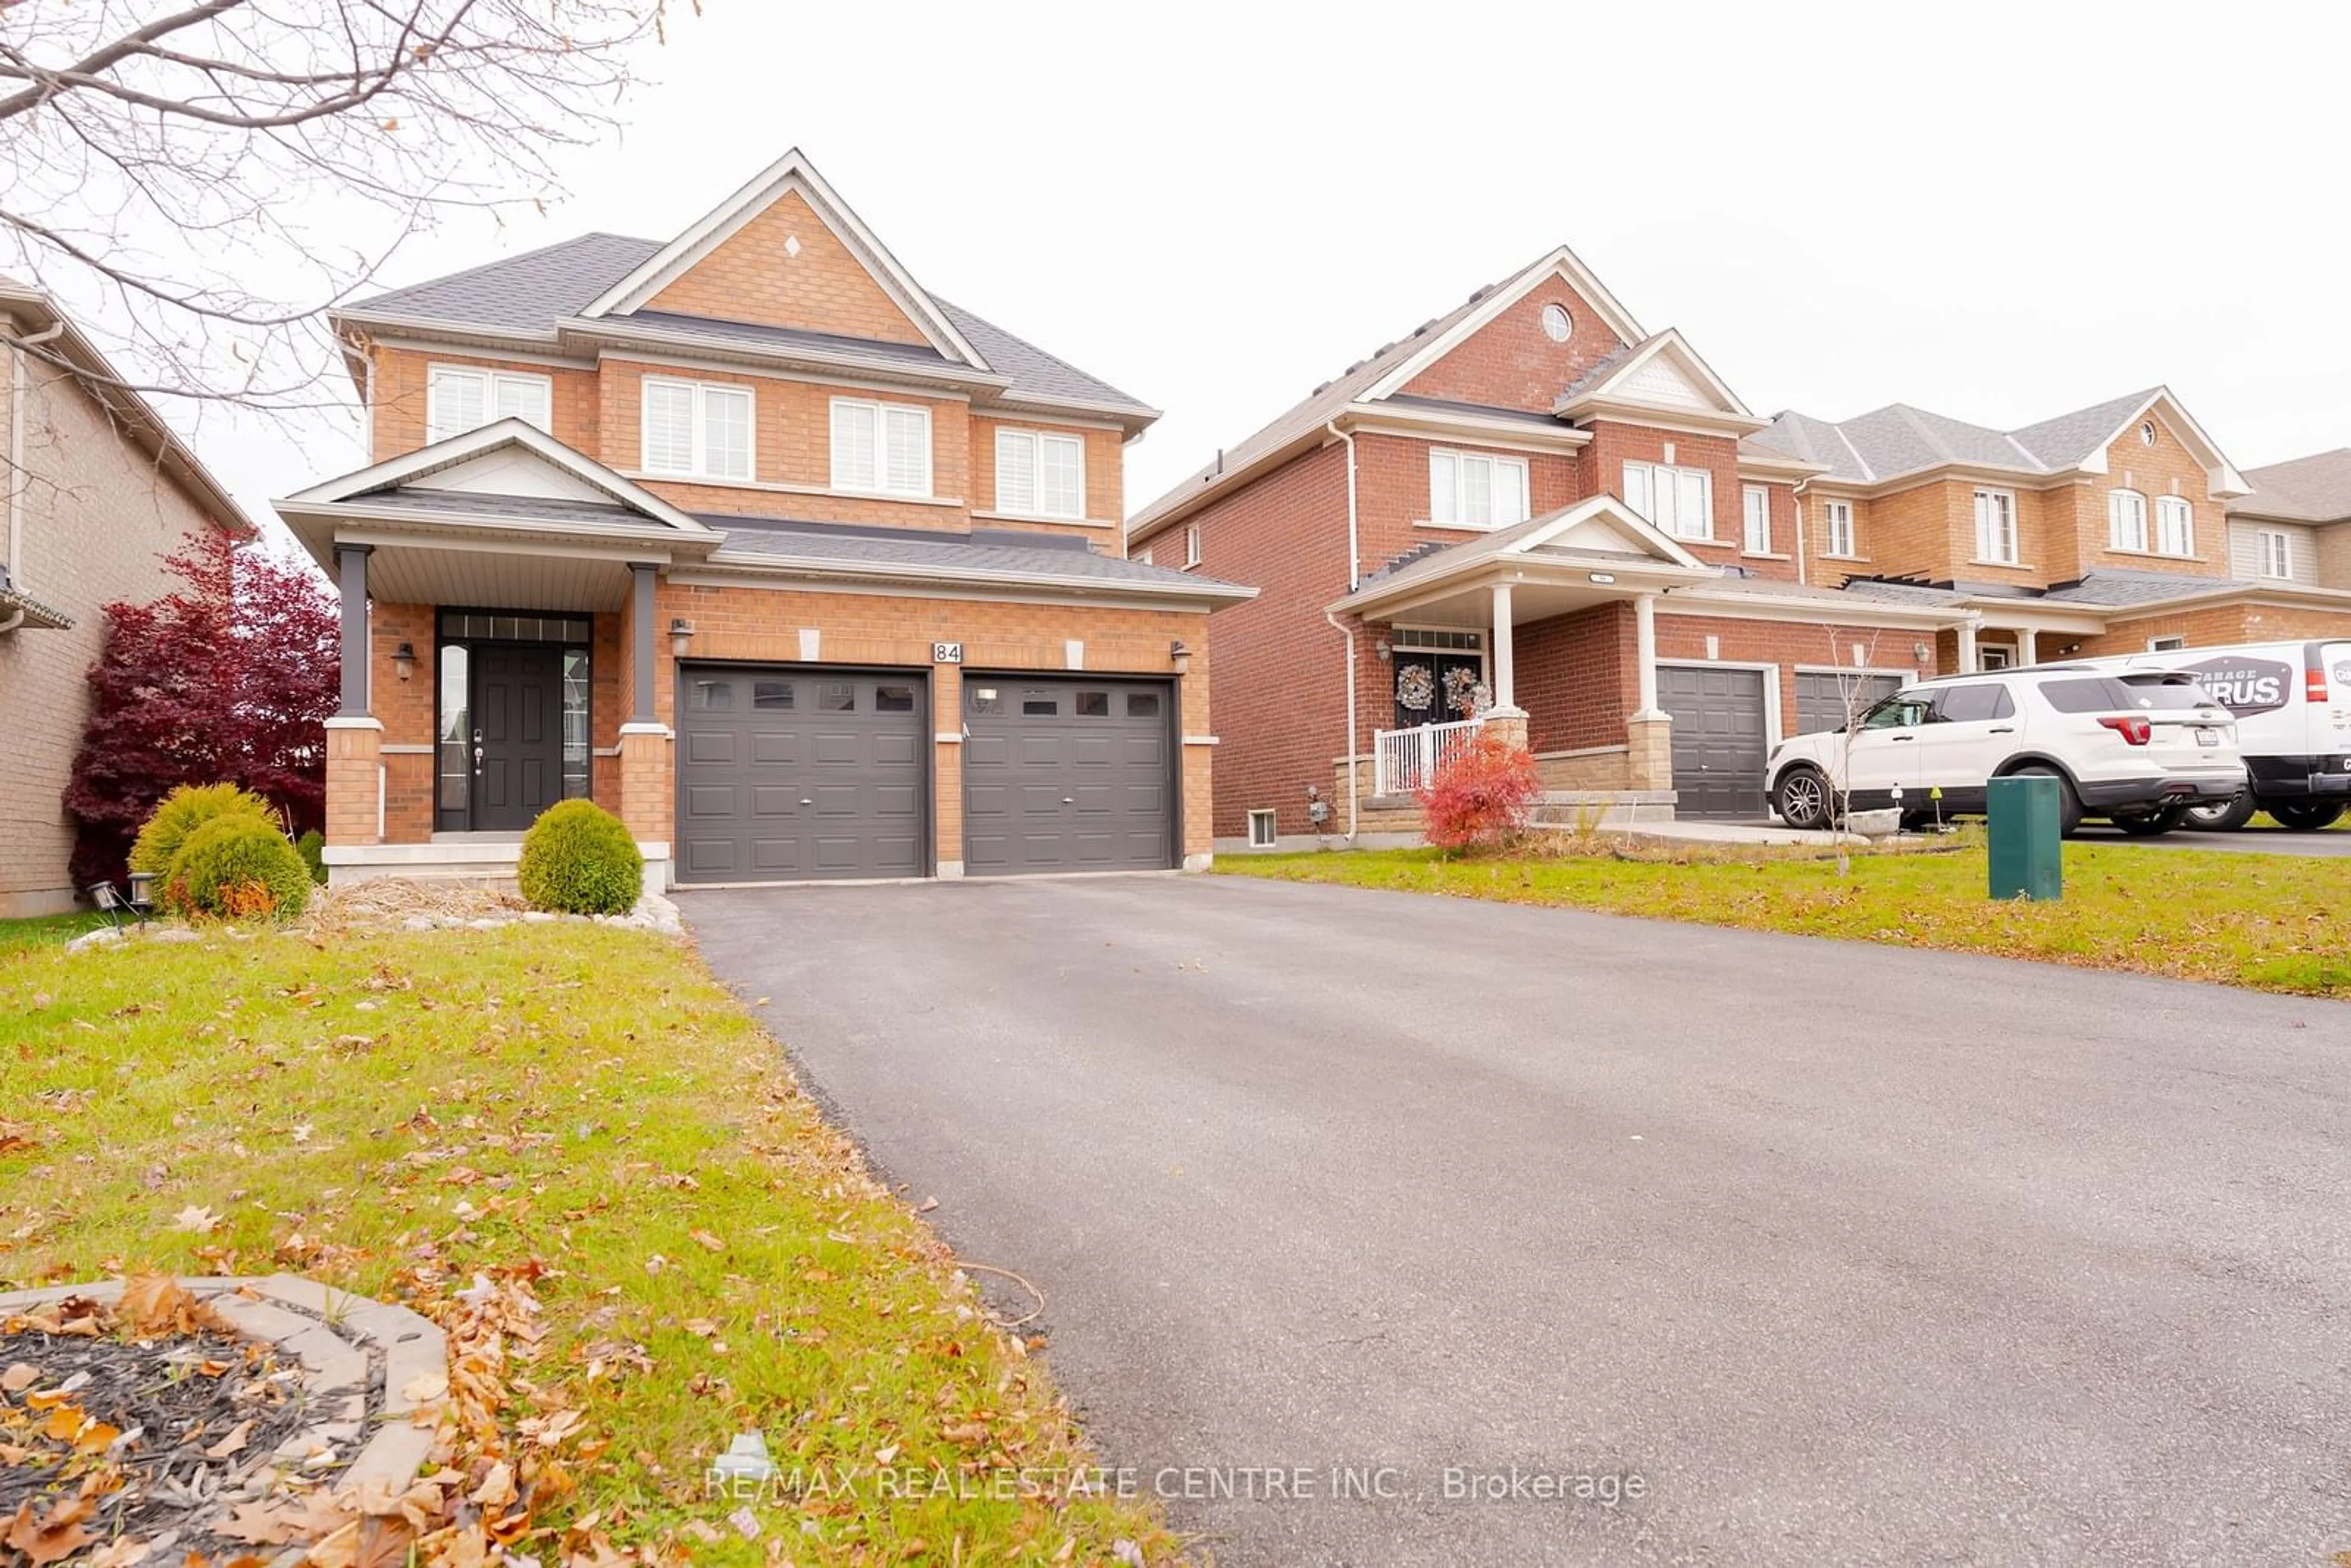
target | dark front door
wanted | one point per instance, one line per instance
(518, 734)
(1435, 688)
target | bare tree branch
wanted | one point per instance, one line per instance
(201, 183)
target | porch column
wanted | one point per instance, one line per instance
(354, 736)
(1649, 732)
(646, 804)
(2026, 652)
(1967, 647)
(641, 639)
(350, 566)
(1505, 687)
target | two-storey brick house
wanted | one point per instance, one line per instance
(99, 491)
(1534, 512)
(801, 570)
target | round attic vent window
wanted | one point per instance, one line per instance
(2146, 433)
(1557, 324)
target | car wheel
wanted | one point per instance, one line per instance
(2222, 816)
(2152, 824)
(2069, 805)
(2306, 816)
(1801, 797)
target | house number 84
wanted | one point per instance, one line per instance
(947, 652)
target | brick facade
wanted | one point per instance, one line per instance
(96, 517)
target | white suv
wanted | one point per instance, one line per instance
(2140, 747)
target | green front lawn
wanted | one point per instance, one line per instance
(582, 1110)
(2270, 922)
(46, 930)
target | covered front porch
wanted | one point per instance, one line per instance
(498, 654)
(1545, 632)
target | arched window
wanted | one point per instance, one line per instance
(2127, 520)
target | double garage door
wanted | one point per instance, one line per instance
(1723, 733)
(790, 773)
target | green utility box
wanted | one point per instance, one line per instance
(2026, 860)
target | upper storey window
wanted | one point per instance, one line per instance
(2175, 525)
(1996, 527)
(881, 447)
(459, 398)
(1041, 475)
(1680, 501)
(1470, 490)
(696, 430)
(2126, 519)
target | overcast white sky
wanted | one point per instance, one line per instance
(1998, 212)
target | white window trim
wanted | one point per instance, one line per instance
(1144, 555)
(1191, 546)
(489, 379)
(1036, 440)
(1264, 818)
(699, 432)
(2115, 539)
(1706, 481)
(2264, 539)
(2188, 509)
(882, 411)
(1829, 509)
(1991, 557)
(1460, 456)
(1749, 494)
(2173, 644)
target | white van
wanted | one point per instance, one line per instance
(2292, 706)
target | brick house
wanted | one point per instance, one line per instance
(2119, 527)
(1534, 510)
(99, 490)
(802, 572)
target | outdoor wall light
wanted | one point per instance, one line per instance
(403, 660)
(681, 635)
(1921, 652)
(1179, 653)
(1385, 649)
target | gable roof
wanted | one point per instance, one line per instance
(1900, 440)
(1382, 377)
(2312, 489)
(791, 174)
(582, 490)
(530, 298)
(1662, 373)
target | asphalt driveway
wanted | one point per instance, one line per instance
(1843, 1254)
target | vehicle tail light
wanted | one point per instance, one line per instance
(2314, 686)
(2136, 731)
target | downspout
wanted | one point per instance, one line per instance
(1801, 579)
(1355, 580)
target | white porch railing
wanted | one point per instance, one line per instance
(1404, 760)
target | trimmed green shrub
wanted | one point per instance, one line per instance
(237, 867)
(312, 847)
(183, 811)
(578, 859)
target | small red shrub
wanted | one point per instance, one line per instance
(1482, 797)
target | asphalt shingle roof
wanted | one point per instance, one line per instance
(2312, 489)
(2108, 587)
(531, 292)
(1898, 439)
(949, 554)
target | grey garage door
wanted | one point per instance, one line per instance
(1719, 740)
(1067, 774)
(1821, 696)
(789, 773)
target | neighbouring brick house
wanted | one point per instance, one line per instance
(1530, 502)
(2117, 529)
(100, 491)
(802, 572)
